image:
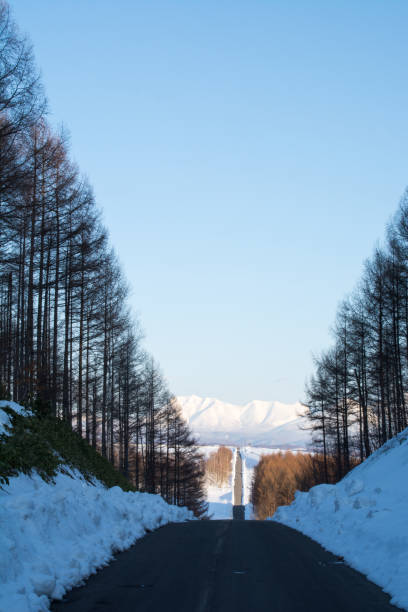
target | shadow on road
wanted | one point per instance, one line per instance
(238, 513)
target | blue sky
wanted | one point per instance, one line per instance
(247, 157)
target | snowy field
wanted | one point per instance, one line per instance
(53, 536)
(363, 518)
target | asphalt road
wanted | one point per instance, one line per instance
(238, 480)
(226, 566)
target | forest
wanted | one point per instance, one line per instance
(356, 398)
(218, 467)
(278, 476)
(69, 345)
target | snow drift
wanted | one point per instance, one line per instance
(258, 423)
(54, 535)
(363, 517)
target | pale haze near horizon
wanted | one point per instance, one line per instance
(247, 157)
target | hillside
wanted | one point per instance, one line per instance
(363, 518)
(258, 423)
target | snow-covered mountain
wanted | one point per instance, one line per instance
(258, 423)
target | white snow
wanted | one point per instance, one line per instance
(5, 420)
(258, 423)
(363, 517)
(53, 536)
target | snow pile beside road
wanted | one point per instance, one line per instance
(52, 536)
(363, 517)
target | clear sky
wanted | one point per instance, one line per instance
(247, 156)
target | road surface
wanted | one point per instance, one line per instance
(238, 510)
(226, 566)
(238, 480)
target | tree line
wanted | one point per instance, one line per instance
(67, 339)
(279, 475)
(356, 398)
(218, 467)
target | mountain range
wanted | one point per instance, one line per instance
(258, 423)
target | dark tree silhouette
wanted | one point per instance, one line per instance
(357, 397)
(67, 340)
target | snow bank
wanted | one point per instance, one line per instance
(52, 536)
(363, 517)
